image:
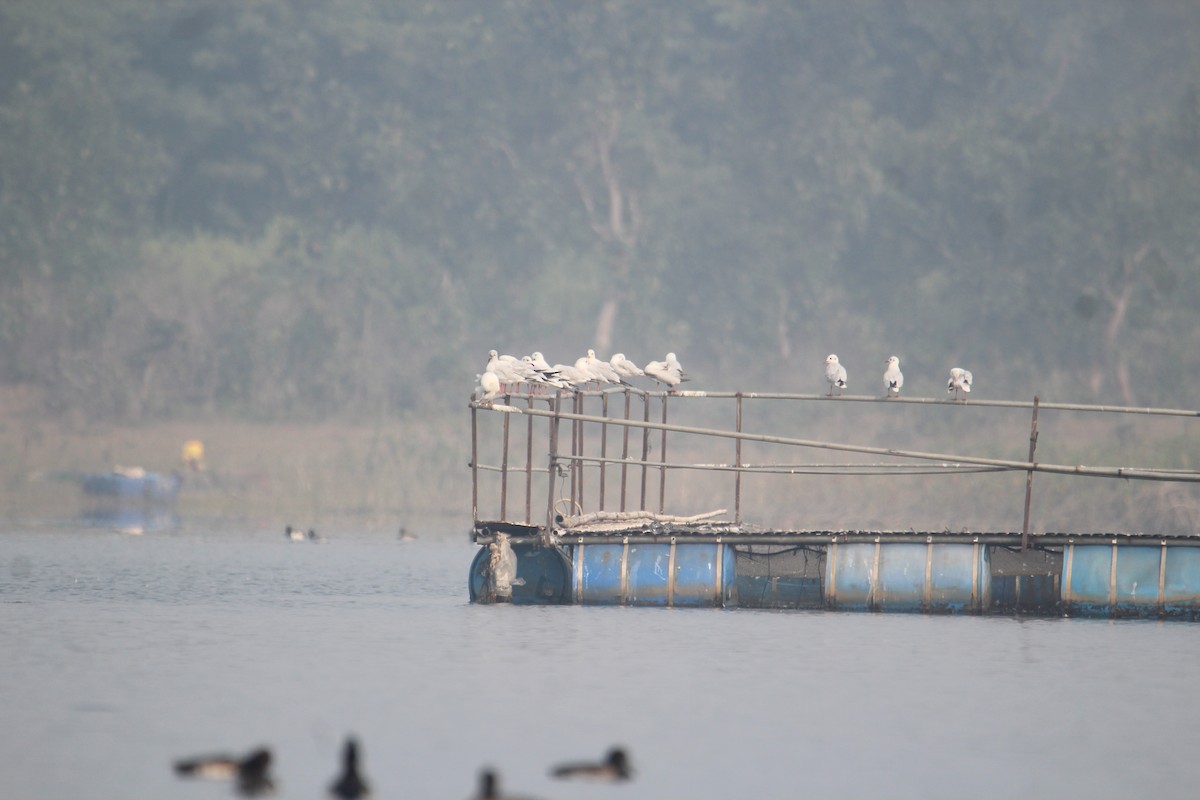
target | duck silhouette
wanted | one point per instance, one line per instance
(350, 784)
(489, 788)
(250, 774)
(614, 767)
(298, 535)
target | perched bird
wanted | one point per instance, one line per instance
(614, 767)
(525, 372)
(835, 373)
(250, 774)
(504, 368)
(539, 362)
(489, 384)
(624, 367)
(574, 377)
(893, 378)
(668, 372)
(545, 376)
(960, 380)
(603, 368)
(673, 364)
(349, 785)
(597, 371)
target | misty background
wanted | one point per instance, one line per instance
(288, 225)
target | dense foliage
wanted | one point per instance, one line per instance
(271, 207)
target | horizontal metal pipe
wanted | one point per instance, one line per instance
(793, 469)
(788, 469)
(1128, 473)
(735, 539)
(924, 401)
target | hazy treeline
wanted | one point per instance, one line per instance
(271, 208)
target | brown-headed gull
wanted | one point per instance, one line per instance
(835, 373)
(506, 369)
(601, 369)
(574, 378)
(539, 362)
(668, 372)
(673, 364)
(545, 376)
(960, 381)
(624, 367)
(893, 379)
(490, 384)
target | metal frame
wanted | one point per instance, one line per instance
(576, 463)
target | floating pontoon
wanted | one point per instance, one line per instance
(576, 492)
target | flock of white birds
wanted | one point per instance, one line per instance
(505, 374)
(959, 383)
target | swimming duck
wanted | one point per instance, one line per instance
(614, 767)
(250, 773)
(350, 784)
(297, 535)
(489, 788)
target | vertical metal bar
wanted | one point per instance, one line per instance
(976, 575)
(1033, 437)
(529, 468)
(578, 553)
(1112, 582)
(719, 588)
(1065, 589)
(575, 476)
(474, 467)
(737, 466)
(582, 464)
(625, 450)
(662, 459)
(551, 470)
(831, 589)
(603, 445)
(671, 574)
(504, 465)
(927, 596)
(624, 570)
(645, 447)
(872, 589)
(1162, 579)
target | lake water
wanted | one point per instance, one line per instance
(121, 653)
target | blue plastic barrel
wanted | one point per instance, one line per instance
(1124, 580)
(1181, 582)
(543, 572)
(666, 574)
(904, 576)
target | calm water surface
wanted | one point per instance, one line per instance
(121, 653)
